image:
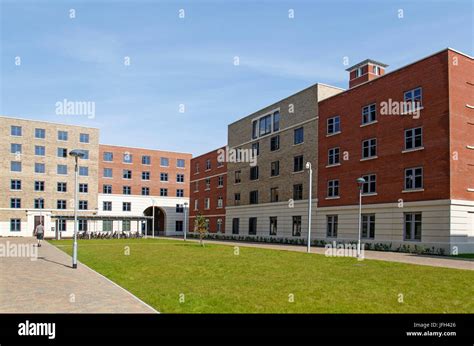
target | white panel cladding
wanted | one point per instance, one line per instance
(462, 226)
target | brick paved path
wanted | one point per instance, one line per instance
(49, 284)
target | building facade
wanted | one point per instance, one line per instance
(267, 186)
(208, 190)
(134, 182)
(409, 133)
(37, 175)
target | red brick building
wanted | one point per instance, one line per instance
(208, 190)
(410, 134)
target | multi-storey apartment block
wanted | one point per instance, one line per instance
(208, 190)
(134, 182)
(37, 176)
(268, 194)
(410, 134)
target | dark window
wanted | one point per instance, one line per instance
(127, 190)
(15, 203)
(15, 130)
(235, 226)
(145, 191)
(370, 185)
(62, 187)
(145, 175)
(275, 143)
(369, 148)
(39, 203)
(413, 178)
(179, 208)
(334, 125)
(275, 168)
(265, 125)
(413, 100)
(107, 189)
(146, 160)
(179, 226)
(298, 192)
(298, 163)
(413, 226)
(253, 197)
(274, 194)
(127, 174)
(273, 225)
(413, 138)
(163, 176)
(333, 188)
(83, 205)
(39, 185)
(236, 198)
(255, 149)
(163, 192)
(254, 173)
(15, 225)
(333, 156)
(107, 206)
(298, 135)
(331, 226)
(368, 226)
(108, 156)
(126, 206)
(237, 177)
(15, 184)
(61, 204)
(62, 152)
(296, 231)
(252, 226)
(83, 188)
(369, 114)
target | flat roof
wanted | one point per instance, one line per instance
(365, 62)
(102, 217)
(47, 122)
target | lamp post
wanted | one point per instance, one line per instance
(153, 221)
(310, 197)
(360, 182)
(76, 153)
(185, 219)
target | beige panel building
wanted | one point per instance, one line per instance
(37, 175)
(269, 196)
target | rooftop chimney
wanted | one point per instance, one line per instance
(365, 71)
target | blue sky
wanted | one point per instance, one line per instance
(190, 61)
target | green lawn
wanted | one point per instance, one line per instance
(215, 280)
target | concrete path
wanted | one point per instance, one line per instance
(434, 261)
(49, 284)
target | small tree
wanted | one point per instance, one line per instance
(201, 227)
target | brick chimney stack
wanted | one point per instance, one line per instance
(365, 71)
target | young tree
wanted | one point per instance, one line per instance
(201, 227)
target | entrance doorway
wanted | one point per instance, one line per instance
(155, 226)
(38, 219)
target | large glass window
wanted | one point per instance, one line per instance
(273, 225)
(369, 114)
(413, 178)
(368, 226)
(296, 230)
(333, 188)
(331, 226)
(413, 138)
(252, 226)
(333, 156)
(369, 148)
(413, 100)
(265, 125)
(370, 185)
(413, 224)
(333, 125)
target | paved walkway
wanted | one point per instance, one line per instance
(434, 261)
(49, 284)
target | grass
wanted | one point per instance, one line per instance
(215, 280)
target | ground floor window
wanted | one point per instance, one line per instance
(126, 225)
(61, 225)
(296, 226)
(179, 226)
(368, 226)
(235, 225)
(273, 225)
(412, 226)
(15, 225)
(331, 226)
(82, 225)
(107, 225)
(219, 225)
(252, 226)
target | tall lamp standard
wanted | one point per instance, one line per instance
(360, 182)
(310, 197)
(77, 154)
(185, 219)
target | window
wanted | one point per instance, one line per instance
(413, 178)
(208, 183)
(179, 226)
(298, 163)
(39, 168)
(126, 225)
(220, 163)
(298, 192)
(252, 226)
(39, 185)
(15, 148)
(370, 184)
(298, 136)
(126, 206)
(368, 226)
(276, 121)
(377, 70)
(358, 72)
(146, 160)
(413, 138)
(108, 156)
(180, 178)
(265, 125)
(196, 204)
(15, 166)
(62, 187)
(368, 114)
(255, 149)
(196, 168)
(145, 175)
(61, 204)
(107, 206)
(61, 169)
(127, 190)
(413, 224)
(275, 168)
(179, 208)
(220, 181)
(255, 129)
(83, 171)
(84, 137)
(107, 172)
(165, 162)
(331, 226)
(274, 194)
(83, 188)
(15, 225)
(15, 203)
(273, 225)
(127, 158)
(62, 135)
(333, 188)
(296, 231)
(208, 165)
(253, 197)
(15, 131)
(15, 184)
(82, 225)
(179, 193)
(220, 202)
(237, 176)
(235, 225)
(86, 154)
(163, 192)
(39, 203)
(207, 203)
(254, 173)
(236, 198)
(413, 100)
(369, 148)
(180, 163)
(83, 205)
(145, 191)
(61, 225)
(334, 125)
(333, 156)
(163, 176)
(219, 225)
(62, 152)
(107, 189)
(196, 186)
(127, 174)
(40, 133)
(275, 143)
(107, 225)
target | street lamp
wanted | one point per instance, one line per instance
(76, 153)
(185, 219)
(310, 197)
(360, 182)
